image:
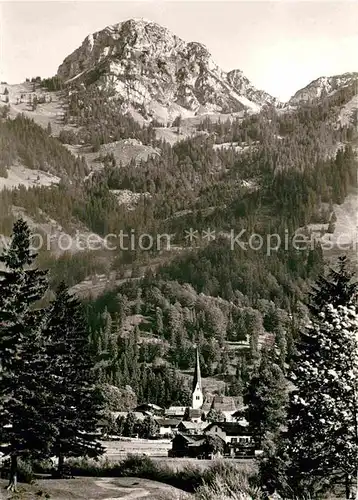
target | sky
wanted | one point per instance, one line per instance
(279, 45)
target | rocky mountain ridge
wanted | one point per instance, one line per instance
(153, 69)
(323, 86)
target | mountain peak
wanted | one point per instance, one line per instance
(140, 20)
(152, 69)
(322, 86)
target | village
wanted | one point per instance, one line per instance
(213, 426)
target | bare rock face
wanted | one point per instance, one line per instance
(243, 86)
(323, 86)
(150, 67)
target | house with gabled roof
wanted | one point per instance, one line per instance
(167, 426)
(188, 427)
(184, 445)
(230, 432)
(149, 409)
(175, 412)
(227, 405)
(238, 438)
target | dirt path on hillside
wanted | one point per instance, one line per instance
(128, 493)
(133, 488)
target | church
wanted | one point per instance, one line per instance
(201, 404)
(197, 396)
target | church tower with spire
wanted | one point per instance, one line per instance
(197, 394)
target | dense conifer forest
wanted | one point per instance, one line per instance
(275, 177)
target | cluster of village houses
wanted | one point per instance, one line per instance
(189, 428)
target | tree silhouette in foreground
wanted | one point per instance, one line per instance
(77, 403)
(24, 402)
(320, 447)
(49, 403)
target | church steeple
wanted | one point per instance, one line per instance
(197, 394)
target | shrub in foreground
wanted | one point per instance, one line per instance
(25, 471)
(91, 467)
(189, 478)
(219, 490)
(226, 480)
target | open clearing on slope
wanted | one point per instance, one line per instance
(349, 112)
(188, 126)
(344, 239)
(50, 236)
(123, 151)
(88, 488)
(47, 112)
(17, 175)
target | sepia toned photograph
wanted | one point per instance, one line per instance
(179, 250)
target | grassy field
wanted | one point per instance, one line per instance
(135, 476)
(48, 112)
(157, 450)
(117, 450)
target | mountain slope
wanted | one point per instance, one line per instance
(155, 70)
(324, 86)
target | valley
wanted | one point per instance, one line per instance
(167, 197)
(199, 169)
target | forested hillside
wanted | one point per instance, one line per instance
(265, 173)
(156, 323)
(21, 140)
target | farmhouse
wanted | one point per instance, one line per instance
(176, 412)
(167, 426)
(184, 445)
(149, 409)
(191, 427)
(230, 432)
(226, 405)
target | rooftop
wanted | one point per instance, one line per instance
(195, 412)
(149, 406)
(191, 439)
(193, 425)
(176, 410)
(167, 422)
(218, 402)
(230, 428)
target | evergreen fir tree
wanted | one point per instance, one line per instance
(130, 425)
(77, 402)
(322, 436)
(266, 399)
(337, 288)
(215, 415)
(148, 428)
(281, 345)
(24, 426)
(323, 412)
